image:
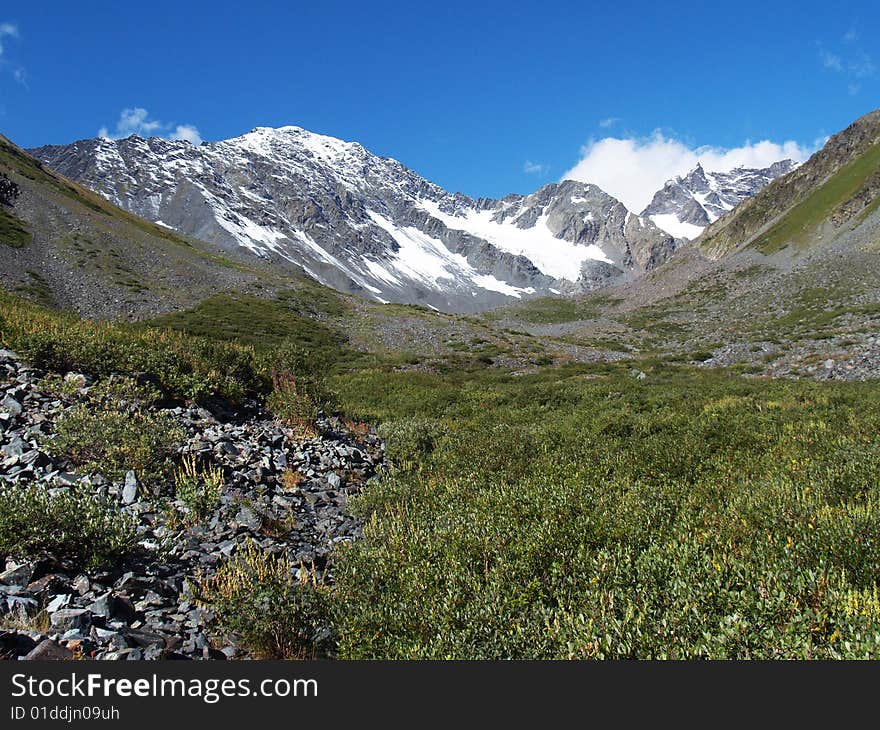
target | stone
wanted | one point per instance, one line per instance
(15, 447)
(11, 406)
(58, 602)
(19, 575)
(72, 618)
(48, 649)
(130, 490)
(81, 584)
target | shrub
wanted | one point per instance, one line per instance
(573, 514)
(183, 366)
(410, 440)
(298, 399)
(73, 527)
(198, 489)
(114, 431)
(257, 597)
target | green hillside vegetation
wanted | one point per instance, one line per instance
(554, 310)
(829, 182)
(13, 230)
(574, 512)
(581, 513)
(22, 163)
(798, 225)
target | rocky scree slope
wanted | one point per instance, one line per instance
(366, 224)
(63, 245)
(286, 494)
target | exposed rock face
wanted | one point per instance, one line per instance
(686, 205)
(367, 224)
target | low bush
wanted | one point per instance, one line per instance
(258, 598)
(114, 431)
(578, 513)
(198, 489)
(410, 441)
(298, 397)
(73, 527)
(183, 366)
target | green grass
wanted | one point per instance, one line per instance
(581, 513)
(13, 230)
(181, 365)
(265, 323)
(36, 289)
(555, 310)
(20, 163)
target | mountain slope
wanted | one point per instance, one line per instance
(367, 224)
(811, 204)
(686, 205)
(64, 245)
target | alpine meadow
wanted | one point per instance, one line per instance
(275, 396)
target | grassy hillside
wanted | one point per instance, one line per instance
(840, 179)
(13, 231)
(800, 224)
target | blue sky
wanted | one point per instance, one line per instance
(481, 97)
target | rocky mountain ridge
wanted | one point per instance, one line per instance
(687, 204)
(367, 224)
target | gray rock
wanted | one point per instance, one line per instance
(11, 406)
(131, 488)
(18, 574)
(49, 650)
(66, 619)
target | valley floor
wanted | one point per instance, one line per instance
(564, 496)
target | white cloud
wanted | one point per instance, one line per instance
(633, 169)
(608, 122)
(136, 120)
(853, 63)
(534, 168)
(832, 61)
(188, 133)
(7, 30)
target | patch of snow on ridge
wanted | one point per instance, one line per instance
(487, 281)
(421, 257)
(553, 256)
(670, 223)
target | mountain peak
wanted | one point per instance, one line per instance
(367, 224)
(689, 203)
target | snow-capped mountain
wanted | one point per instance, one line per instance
(686, 205)
(367, 224)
